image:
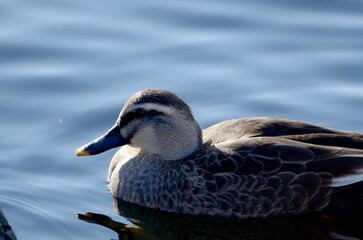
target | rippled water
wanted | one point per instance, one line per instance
(67, 67)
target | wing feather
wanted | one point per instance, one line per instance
(257, 167)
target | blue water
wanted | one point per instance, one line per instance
(67, 67)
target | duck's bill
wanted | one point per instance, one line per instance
(110, 140)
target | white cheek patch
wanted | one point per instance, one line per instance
(145, 139)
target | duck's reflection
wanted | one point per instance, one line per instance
(152, 224)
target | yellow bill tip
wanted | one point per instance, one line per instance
(81, 152)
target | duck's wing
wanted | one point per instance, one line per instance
(265, 176)
(337, 152)
(274, 170)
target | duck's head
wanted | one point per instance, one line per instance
(157, 121)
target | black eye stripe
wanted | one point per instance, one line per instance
(138, 113)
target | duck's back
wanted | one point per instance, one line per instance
(276, 127)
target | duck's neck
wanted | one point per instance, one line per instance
(181, 141)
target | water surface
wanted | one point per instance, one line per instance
(67, 67)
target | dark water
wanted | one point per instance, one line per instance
(151, 224)
(67, 67)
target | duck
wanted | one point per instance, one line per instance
(253, 167)
(6, 232)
